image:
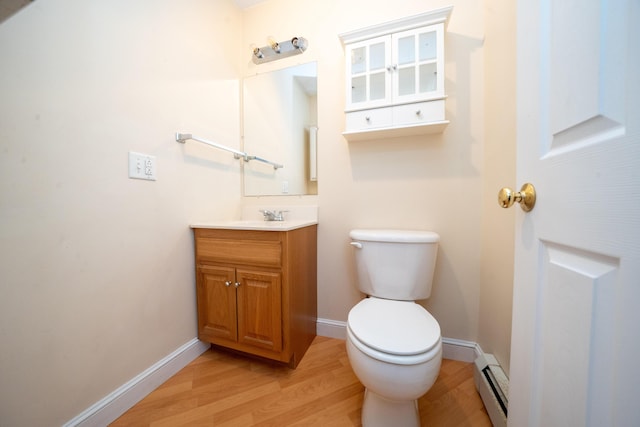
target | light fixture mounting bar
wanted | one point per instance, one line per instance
(275, 51)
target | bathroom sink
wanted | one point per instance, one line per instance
(256, 225)
(252, 219)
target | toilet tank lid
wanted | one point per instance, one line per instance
(397, 236)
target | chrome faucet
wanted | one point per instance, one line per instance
(273, 215)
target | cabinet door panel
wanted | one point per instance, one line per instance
(428, 77)
(428, 46)
(406, 81)
(216, 303)
(419, 56)
(259, 309)
(368, 79)
(406, 50)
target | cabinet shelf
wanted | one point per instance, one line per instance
(396, 131)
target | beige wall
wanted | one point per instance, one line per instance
(96, 270)
(446, 183)
(432, 182)
(498, 225)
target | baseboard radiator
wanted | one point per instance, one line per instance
(493, 386)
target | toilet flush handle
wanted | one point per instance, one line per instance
(356, 245)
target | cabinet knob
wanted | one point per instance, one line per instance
(418, 112)
(227, 283)
(368, 118)
(237, 284)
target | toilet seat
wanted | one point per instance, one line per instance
(401, 332)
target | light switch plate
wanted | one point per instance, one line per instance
(142, 166)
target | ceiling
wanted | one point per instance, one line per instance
(9, 7)
(243, 4)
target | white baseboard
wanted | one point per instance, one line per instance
(331, 328)
(119, 401)
(453, 349)
(461, 350)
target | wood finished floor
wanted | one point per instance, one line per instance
(224, 389)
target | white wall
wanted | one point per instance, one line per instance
(96, 270)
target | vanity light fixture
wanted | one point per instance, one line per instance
(276, 50)
(258, 53)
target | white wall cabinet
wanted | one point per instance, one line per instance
(395, 77)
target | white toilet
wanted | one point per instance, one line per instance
(394, 344)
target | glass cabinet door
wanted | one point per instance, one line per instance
(418, 65)
(368, 80)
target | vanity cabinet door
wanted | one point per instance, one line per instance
(216, 296)
(241, 306)
(259, 305)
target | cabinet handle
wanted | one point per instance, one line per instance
(237, 284)
(418, 112)
(227, 283)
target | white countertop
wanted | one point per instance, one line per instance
(285, 225)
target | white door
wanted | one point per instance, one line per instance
(576, 314)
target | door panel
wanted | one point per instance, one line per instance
(576, 296)
(259, 309)
(575, 332)
(216, 303)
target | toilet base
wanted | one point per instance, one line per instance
(380, 412)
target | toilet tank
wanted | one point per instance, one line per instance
(395, 264)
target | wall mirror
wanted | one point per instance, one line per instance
(280, 124)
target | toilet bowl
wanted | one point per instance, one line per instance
(394, 344)
(395, 351)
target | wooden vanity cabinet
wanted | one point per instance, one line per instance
(256, 290)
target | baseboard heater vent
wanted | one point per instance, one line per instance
(493, 386)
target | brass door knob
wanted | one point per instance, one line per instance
(526, 197)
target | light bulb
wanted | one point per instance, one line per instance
(274, 44)
(256, 51)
